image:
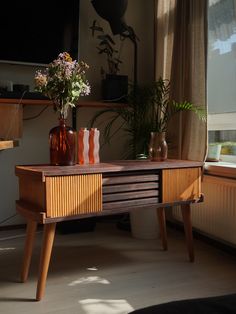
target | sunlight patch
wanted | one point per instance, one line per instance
(89, 279)
(92, 268)
(103, 306)
(7, 248)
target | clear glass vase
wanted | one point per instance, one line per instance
(62, 141)
(158, 147)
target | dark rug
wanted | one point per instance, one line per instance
(214, 305)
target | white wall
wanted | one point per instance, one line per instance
(34, 143)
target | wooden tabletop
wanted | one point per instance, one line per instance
(112, 166)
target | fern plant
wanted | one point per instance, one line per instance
(149, 109)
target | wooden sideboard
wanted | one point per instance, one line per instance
(49, 194)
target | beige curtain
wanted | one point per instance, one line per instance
(181, 41)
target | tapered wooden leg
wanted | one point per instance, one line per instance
(29, 242)
(185, 208)
(162, 224)
(48, 238)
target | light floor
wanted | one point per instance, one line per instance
(109, 272)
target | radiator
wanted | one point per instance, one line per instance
(216, 216)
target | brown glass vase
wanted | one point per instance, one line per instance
(158, 147)
(62, 140)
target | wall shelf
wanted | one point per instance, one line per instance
(14, 101)
(45, 102)
(8, 144)
(11, 111)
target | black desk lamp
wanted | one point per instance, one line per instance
(113, 11)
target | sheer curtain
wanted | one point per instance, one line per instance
(181, 53)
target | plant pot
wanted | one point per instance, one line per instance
(144, 225)
(115, 88)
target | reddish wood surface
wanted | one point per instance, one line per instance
(29, 242)
(114, 166)
(46, 250)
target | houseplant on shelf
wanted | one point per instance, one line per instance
(63, 81)
(114, 86)
(148, 111)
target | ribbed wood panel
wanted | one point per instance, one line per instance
(216, 216)
(181, 184)
(73, 195)
(130, 190)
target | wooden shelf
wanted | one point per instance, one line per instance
(45, 102)
(8, 144)
(14, 101)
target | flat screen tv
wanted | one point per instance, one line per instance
(35, 32)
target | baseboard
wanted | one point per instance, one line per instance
(12, 227)
(197, 234)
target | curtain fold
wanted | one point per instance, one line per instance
(181, 54)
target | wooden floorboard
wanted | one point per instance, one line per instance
(107, 271)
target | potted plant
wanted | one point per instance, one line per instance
(149, 109)
(114, 86)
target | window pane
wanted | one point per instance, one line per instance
(221, 80)
(222, 56)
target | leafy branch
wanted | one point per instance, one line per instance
(149, 109)
(107, 46)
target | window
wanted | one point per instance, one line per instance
(222, 76)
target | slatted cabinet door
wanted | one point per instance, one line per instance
(130, 189)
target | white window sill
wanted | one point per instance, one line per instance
(220, 169)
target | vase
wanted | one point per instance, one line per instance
(158, 147)
(94, 146)
(83, 146)
(62, 140)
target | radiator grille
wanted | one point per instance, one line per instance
(216, 216)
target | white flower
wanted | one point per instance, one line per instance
(40, 79)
